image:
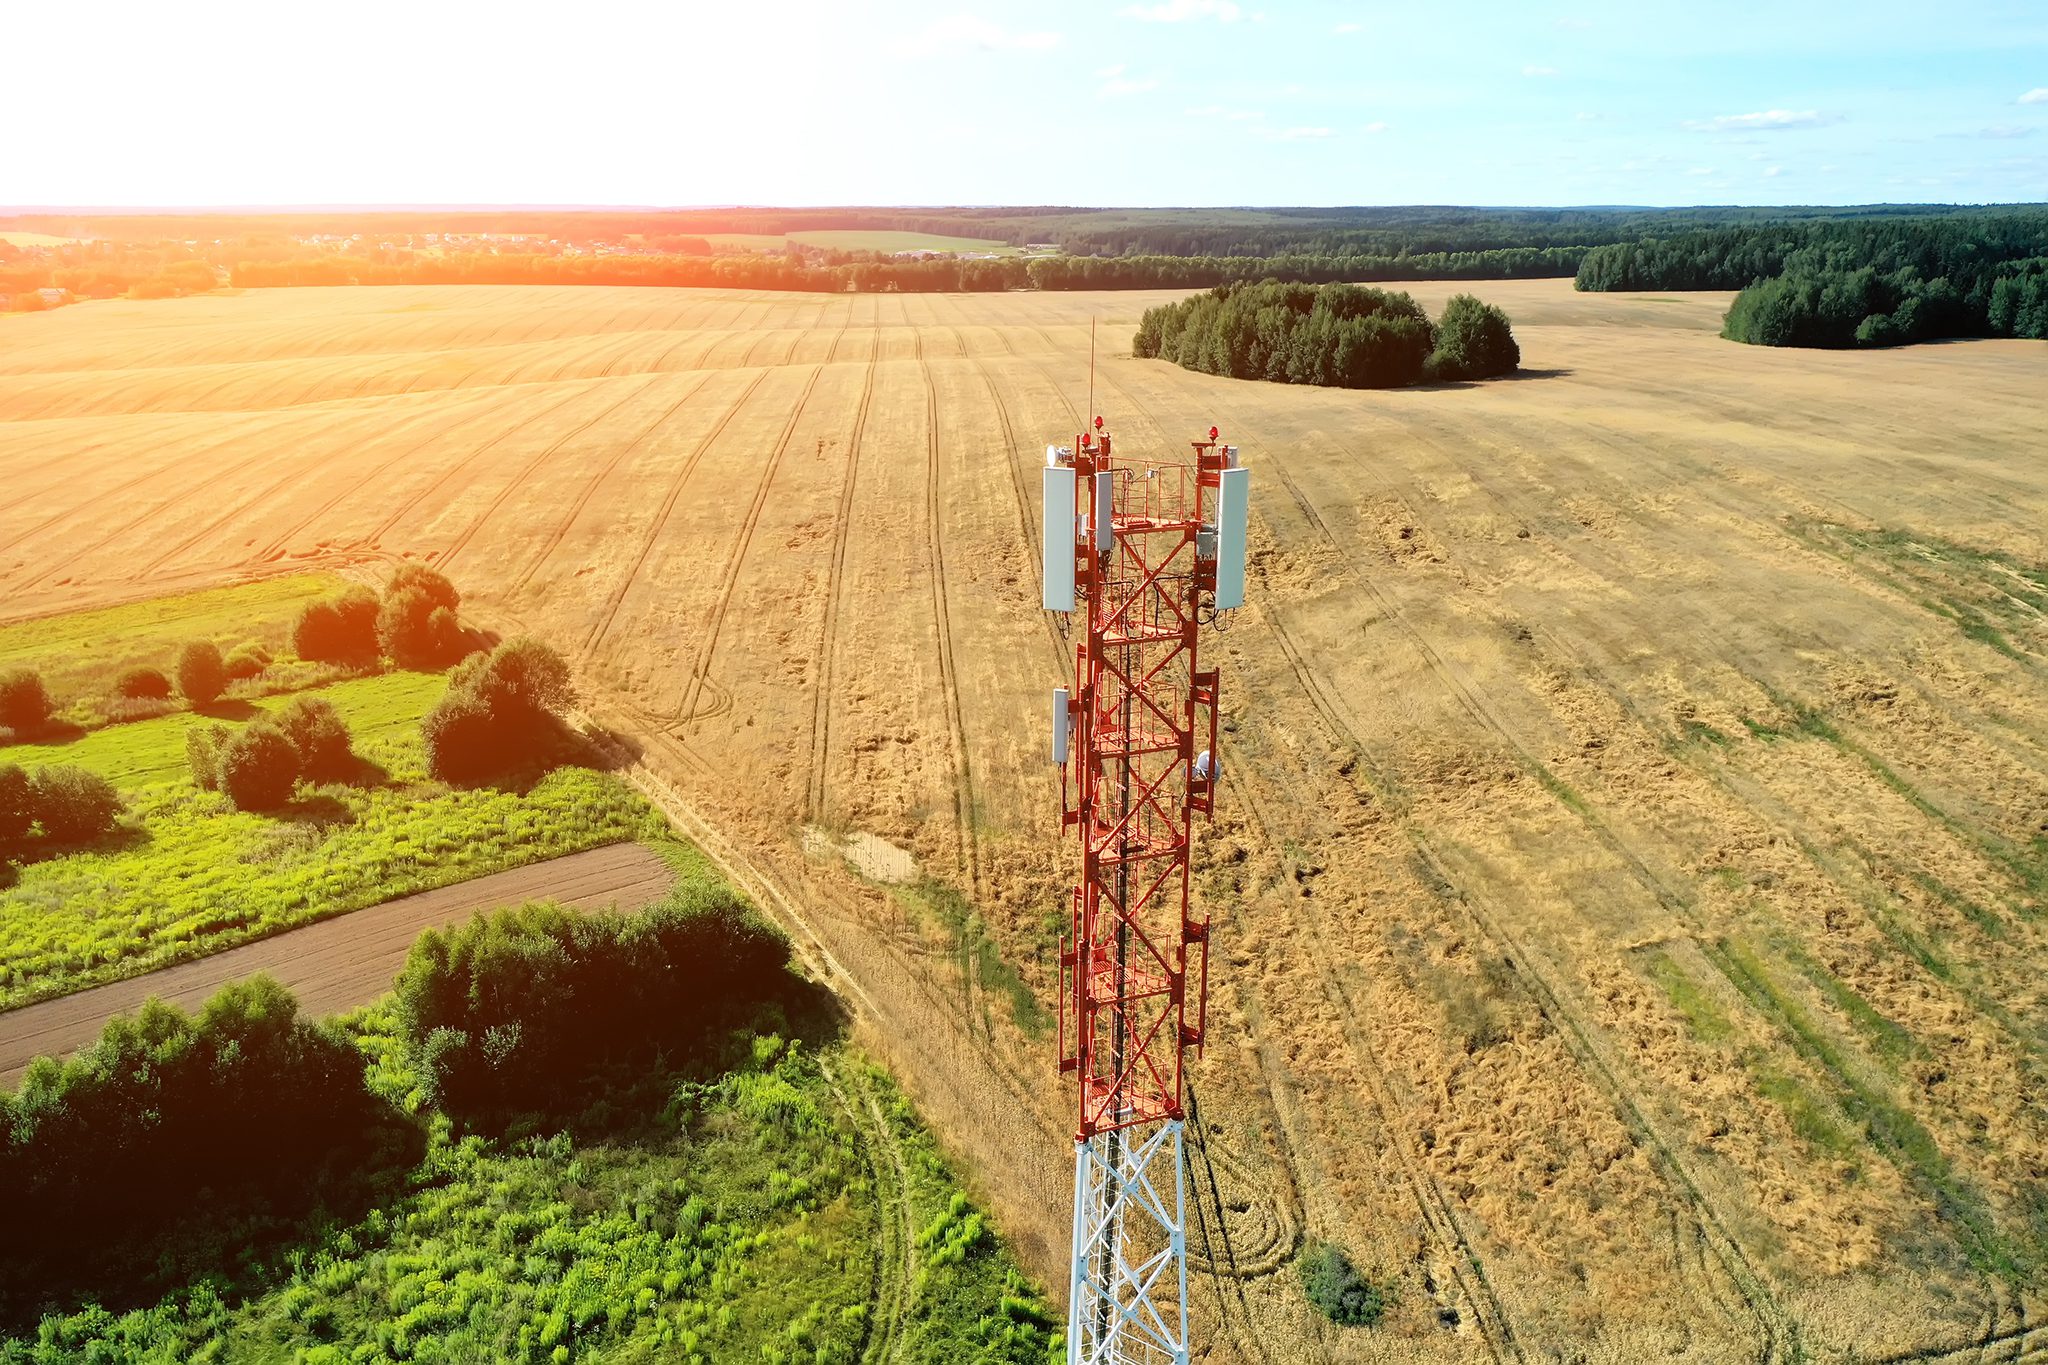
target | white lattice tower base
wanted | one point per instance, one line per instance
(1128, 1293)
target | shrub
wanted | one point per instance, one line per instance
(246, 661)
(434, 586)
(498, 709)
(341, 629)
(203, 745)
(259, 767)
(73, 804)
(17, 804)
(1334, 1285)
(510, 1010)
(416, 630)
(1334, 334)
(143, 684)
(24, 705)
(319, 737)
(1473, 341)
(202, 676)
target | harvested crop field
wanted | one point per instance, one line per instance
(1633, 865)
(338, 964)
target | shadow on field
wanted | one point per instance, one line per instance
(228, 708)
(1511, 377)
(39, 849)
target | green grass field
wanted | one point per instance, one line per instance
(81, 654)
(190, 875)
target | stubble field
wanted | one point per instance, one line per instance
(1633, 861)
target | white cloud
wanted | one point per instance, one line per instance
(1178, 11)
(962, 32)
(2038, 95)
(1377, 126)
(1301, 134)
(1347, 28)
(1539, 71)
(1585, 116)
(1699, 170)
(1768, 120)
(1773, 172)
(1998, 131)
(1223, 111)
(1573, 23)
(1118, 86)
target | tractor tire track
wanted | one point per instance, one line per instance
(828, 632)
(709, 644)
(553, 540)
(609, 613)
(949, 672)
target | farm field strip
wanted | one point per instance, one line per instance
(1607, 673)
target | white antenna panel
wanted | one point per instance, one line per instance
(1059, 538)
(1233, 517)
(1060, 722)
(1105, 511)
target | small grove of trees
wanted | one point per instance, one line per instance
(24, 703)
(244, 1118)
(143, 684)
(517, 1011)
(498, 713)
(65, 805)
(260, 765)
(414, 623)
(1341, 335)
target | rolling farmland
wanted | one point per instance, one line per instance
(1632, 867)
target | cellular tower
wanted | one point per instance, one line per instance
(1148, 553)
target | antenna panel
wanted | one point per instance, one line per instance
(1233, 517)
(1059, 538)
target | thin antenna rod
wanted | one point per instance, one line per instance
(1091, 372)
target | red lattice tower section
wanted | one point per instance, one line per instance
(1134, 970)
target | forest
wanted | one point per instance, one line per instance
(1338, 335)
(1845, 284)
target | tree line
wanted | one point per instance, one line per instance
(1843, 284)
(1340, 335)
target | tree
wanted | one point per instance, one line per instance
(202, 676)
(143, 684)
(203, 745)
(497, 709)
(434, 586)
(258, 767)
(24, 705)
(1474, 341)
(416, 630)
(17, 804)
(319, 737)
(73, 804)
(341, 629)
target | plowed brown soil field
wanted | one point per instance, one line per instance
(1633, 861)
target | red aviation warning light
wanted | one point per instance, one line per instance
(1149, 553)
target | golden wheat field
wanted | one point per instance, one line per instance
(1632, 870)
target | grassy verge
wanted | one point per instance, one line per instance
(81, 653)
(980, 957)
(191, 875)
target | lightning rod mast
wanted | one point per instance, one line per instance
(1149, 553)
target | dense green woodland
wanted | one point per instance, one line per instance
(1339, 335)
(567, 1137)
(1842, 284)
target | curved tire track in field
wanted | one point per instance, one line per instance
(1013, 464)
(554, 538)
(708, 647)
(895, 1273)
(828, 631)
(610, 612)
(518, 481)
(405, 508)
(949, 673)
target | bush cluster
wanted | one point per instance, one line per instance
(202, 673)
(143, 684)
(510, 1010)
(498, 712)
(1334, 1285)
(168, 1119)
(66, 805)
(413, 624)
(259, 765)
(24, 704)
(1341, 335)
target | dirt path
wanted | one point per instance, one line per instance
(339, 963)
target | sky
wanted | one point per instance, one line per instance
(1159, 102)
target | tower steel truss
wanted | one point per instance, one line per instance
(1147, 540)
